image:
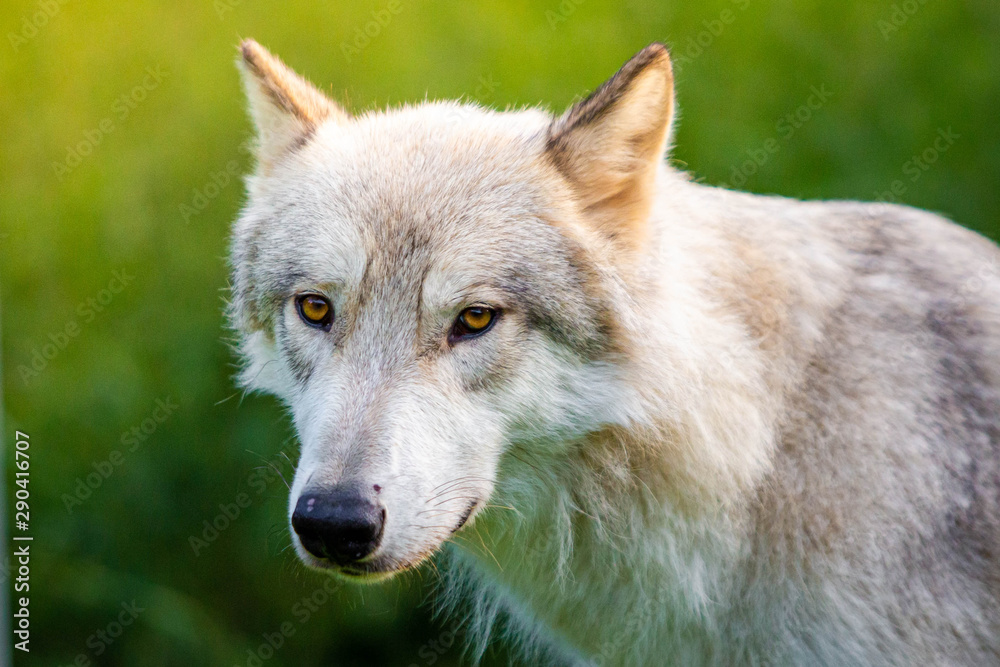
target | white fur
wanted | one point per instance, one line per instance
(752, 462)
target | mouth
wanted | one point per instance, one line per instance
(356, 574)
(373, 571)
(465, 517)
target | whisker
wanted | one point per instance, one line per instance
(247, 390)
(271, 465)
(235, 393)
(440, 511)
(462, 479)
(413, 525)
(448, 500)
(454, 489)
(488, 550)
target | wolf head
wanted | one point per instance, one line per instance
(428, 287)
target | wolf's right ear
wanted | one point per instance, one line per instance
(285, 107)
(610, 145)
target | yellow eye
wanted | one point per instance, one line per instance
(473, 321)
(315, 310)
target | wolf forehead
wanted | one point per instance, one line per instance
(376, 205)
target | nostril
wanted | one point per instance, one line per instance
(341, 525)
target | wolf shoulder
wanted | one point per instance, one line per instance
(894, 238)
(893, 251)
(908, 280)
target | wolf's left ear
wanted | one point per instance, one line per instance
(285, 107)
(610, 145)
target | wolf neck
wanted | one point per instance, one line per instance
(591, 560)
(649, 517)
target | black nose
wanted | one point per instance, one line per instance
(340, 525)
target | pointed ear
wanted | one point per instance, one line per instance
(609, 146)
(285, 107)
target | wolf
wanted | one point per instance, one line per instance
(634, 419)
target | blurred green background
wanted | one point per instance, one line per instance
(121, 130)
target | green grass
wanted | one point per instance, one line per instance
(64, 232)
